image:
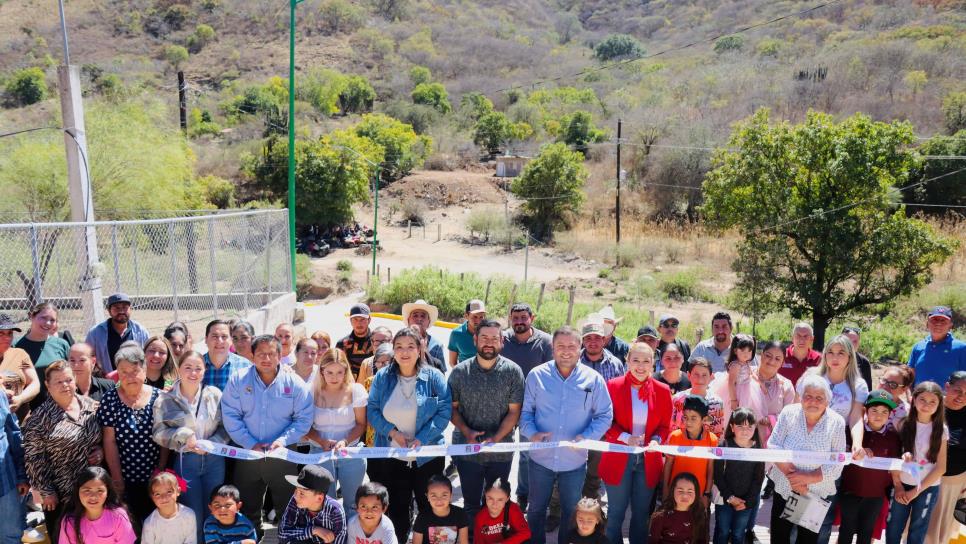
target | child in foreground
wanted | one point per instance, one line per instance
(370, 525)
(589, 524)
(94, 513)
(444, 523)
(171, 523)
(501, 520)
(226, 525)
(311, 515)
(739, 482)
(682, 519)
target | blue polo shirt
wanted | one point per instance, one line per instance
(461, 342)
(935, 361)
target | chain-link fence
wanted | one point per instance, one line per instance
(191, 269)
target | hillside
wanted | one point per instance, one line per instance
(534, 59)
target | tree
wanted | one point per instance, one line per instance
(175, 55)
(202, 36)
(357, 96)
(432, 94)
(815, 204)
(954, 110)
(492, 131)
(949, 190)
(403, 149)
(579, 130)
(329, 179)
(915, 80)
(617, 46)
(419, 75)
(341, 16)
(551, 187)
(476, 104)
(27, 86)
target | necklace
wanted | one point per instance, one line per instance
(411, 384)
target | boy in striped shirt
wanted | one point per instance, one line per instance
(226, 525)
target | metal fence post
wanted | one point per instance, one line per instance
(117, 260)
(268, 261)
(212, 264)
(35, 256)
(174, 270)
(137, 268)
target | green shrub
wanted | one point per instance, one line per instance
(341, 16)
(617, 46)
(683, 285)
(404, 149)
(432, 94)
(493, 130)
(176, 16)
(343, 266)
(419, 75)
(604, 273)
(258, 99)
(303, 275)
(203, 35)
(27, 86)
(579, 130)
(487, 222)
(728, 43)
(357, 96)
(175, 55)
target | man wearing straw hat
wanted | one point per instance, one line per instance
(615, 345)
(425, 315)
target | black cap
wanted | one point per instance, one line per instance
(7, 324)
(312, 477)
(696, 403)
(359, 309)
(117, 298)
(648, 330)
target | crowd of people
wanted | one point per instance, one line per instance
(108, 436)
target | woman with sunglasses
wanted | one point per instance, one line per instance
(896, 381)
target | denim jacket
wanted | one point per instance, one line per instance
(433, 400)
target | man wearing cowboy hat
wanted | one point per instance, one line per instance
(425, 315)
(615, 345)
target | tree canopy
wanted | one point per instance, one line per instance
(551, 187)
(816, 205)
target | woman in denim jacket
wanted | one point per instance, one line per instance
(409, 406)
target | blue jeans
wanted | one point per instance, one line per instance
(204, 473)
(542, 480)
(826, 532)
(917, 512)
(348, 474)
(523, 473)
(475, 478)
(12, 514)
(729, 522)
(632, 490)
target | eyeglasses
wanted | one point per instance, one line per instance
(891, 384)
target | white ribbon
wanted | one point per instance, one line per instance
(455, 450)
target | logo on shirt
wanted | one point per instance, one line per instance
(364, 540)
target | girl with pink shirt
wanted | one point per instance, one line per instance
(95, 514)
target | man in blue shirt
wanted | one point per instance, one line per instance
(265, 408)
(563, 400)
(461, 346)
(107, 337)
(13, 476)
(220, 362)
(937, 356)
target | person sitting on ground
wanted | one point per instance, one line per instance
(311, 515)
(226, 524)
(172, 522)
(502, 520)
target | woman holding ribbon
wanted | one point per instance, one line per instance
(409, 406)
(642, 415)
(339, 422)
(187, 413)
(806, 427)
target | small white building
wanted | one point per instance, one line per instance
(510, 166)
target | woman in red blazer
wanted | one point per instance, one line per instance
(642, 415)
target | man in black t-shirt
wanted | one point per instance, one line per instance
(358, 344)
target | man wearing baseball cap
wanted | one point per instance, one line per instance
(864, 489)
(461, 346)
(108, 336)
(940, 354)
(357, 345)
(312, 516)
(649, 336)
(669, 325)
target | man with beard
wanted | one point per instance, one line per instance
(108, 336)
(527, 346)
(487, 397)
(715, 349)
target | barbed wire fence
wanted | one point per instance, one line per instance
(189, 269)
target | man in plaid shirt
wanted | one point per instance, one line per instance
(312, 516)
(220, 362)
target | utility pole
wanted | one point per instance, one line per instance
(618, 203)
(79, 184)
(182, 102)
(291, 138)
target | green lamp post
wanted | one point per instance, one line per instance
(291, 137)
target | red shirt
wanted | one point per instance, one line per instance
(870, 482)
(675, 528)
(793, 368)
(489, 530)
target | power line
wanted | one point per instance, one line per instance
(620, 63)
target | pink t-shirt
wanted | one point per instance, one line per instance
(113, 527)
